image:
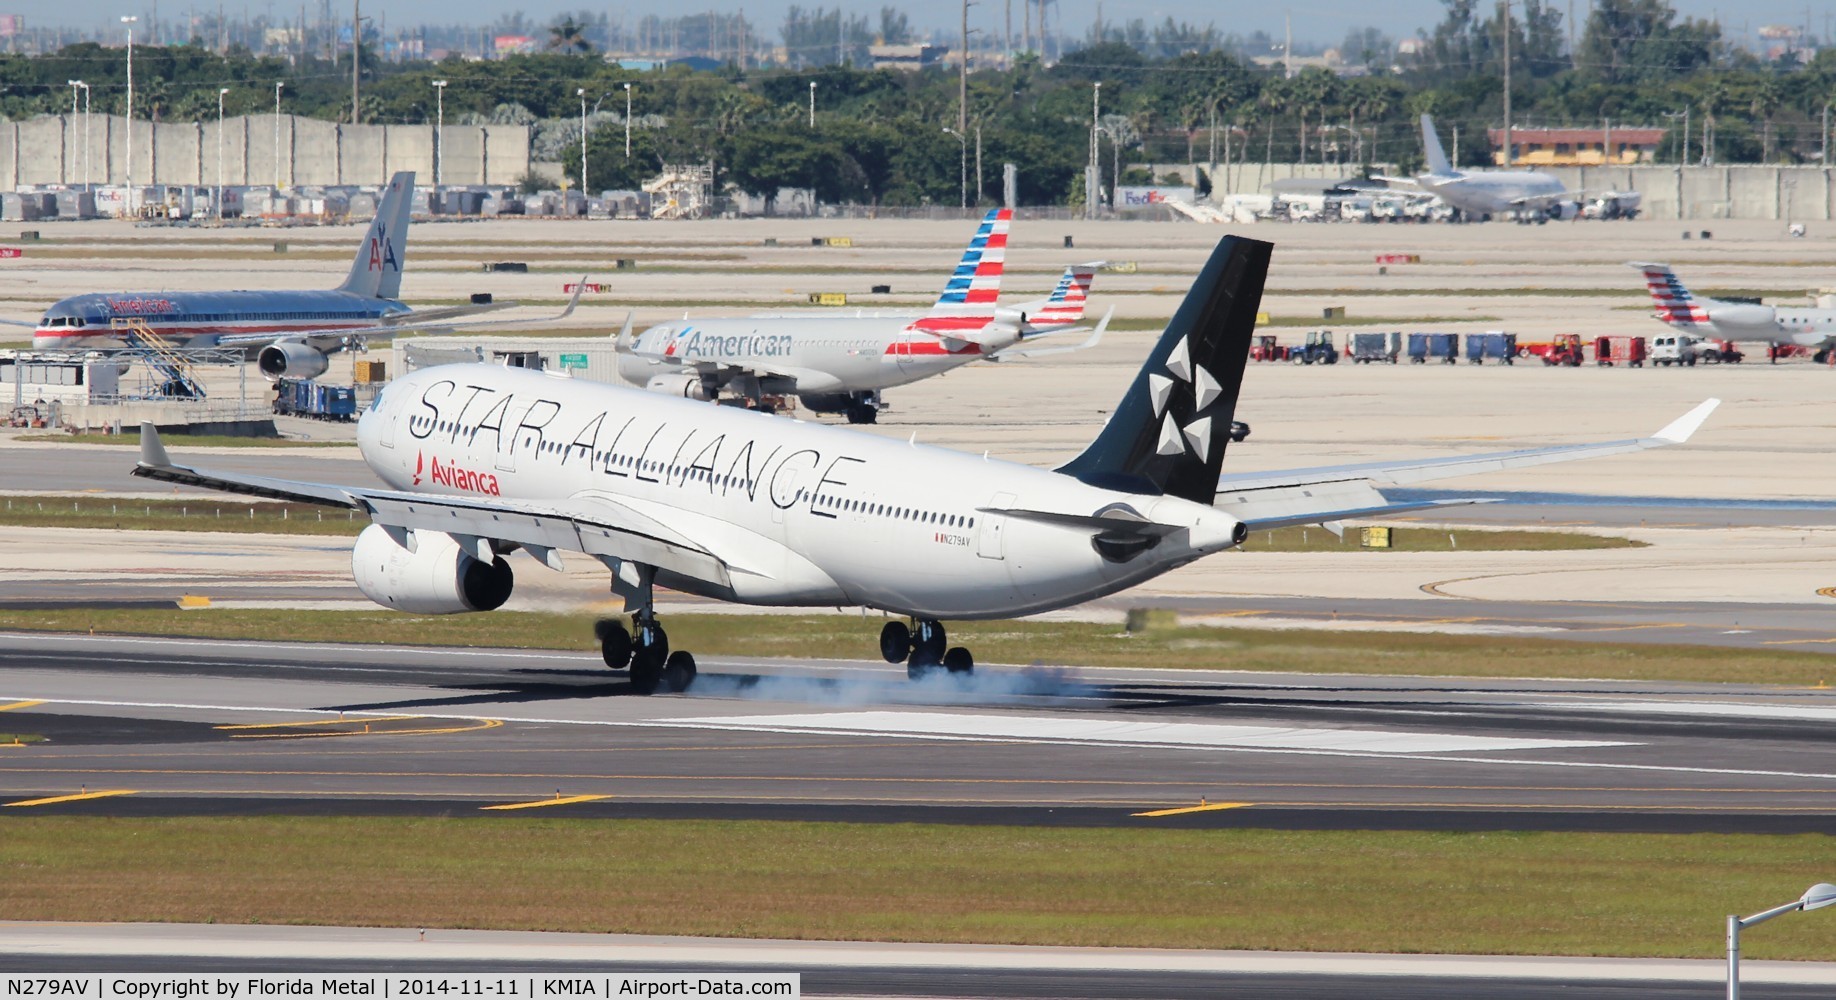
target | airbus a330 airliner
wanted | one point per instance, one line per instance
(740, 506)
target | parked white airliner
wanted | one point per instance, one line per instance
(740, 506)
(1804, 326)
(290, 332)
(1480, 194)
(840, 363)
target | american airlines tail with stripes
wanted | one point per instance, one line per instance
(1746, 322)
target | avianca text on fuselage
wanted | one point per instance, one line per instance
(455, 476)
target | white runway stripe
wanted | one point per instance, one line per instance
(1076, 729)
(1726, 710)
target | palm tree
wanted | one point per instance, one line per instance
(568, 35)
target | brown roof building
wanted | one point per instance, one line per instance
(1575, 147)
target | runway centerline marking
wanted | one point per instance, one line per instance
(542, 803)
(72, 798)
(1184, 810)
(1190, 735)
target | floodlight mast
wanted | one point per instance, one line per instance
(1815, 898)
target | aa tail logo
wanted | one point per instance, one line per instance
(382, 251)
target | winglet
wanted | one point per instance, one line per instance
(1679, 430)
(575, 300)
(152, 452)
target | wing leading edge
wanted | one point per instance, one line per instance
(1329, 493)
(604, 529)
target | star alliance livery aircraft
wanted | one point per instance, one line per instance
(840, 363)
(740, 506)
(293, 331)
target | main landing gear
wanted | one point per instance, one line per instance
(644, 648)
(922, 647)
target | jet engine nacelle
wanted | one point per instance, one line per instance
(437, 578)
(1742, 316)
(678, 384)
(1563, 211)
(291, 359)
(1006, 316)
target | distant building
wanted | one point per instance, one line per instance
(1577, 147)
(906, 57)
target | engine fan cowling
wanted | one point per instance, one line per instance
(685, 386)
(1564, 211)
(291, 359)
(437, 578)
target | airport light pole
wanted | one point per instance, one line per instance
(1092, 177)
(440, 131)
(85, 86)
(812, 104)
(1682, 150)
(73, 100)
(962, 164)
(627, 121)
(221, 93)
(278, 84)
(581, 93)
(1815, 898)
(129, 20)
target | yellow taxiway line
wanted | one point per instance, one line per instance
(19, 704)
(1206, 807)
(547, 802)
(72, 798)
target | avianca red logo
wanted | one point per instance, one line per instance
(451, 475)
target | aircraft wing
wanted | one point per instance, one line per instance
(1545, 199)
(440, 320)
(1095, 338)
(1329, 493)
(1408, 182)
(19, 322)
(605, 529)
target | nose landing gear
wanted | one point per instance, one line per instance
(923, 650)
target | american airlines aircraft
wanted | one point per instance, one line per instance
(740, 506)
(293, 331)
(1804, 326)
(841, 363)
(1483, 193)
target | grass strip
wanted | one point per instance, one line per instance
(206, 513)
(130, 436)
(1627, 895)
(1055, 643)
(1317, 539)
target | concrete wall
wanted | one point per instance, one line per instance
(1740, 191)
(49, 150)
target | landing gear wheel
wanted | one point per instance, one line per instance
(614, 644)
(862, 413)
(927, 649)
(678, 671)
(895, 642)
(958, 661)
(647, 661)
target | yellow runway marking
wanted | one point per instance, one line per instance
(1628, 628)
(474, 726)
(548, 802)
(1183, 810)
(1796, 642)
(321, 722)
(19, 704)
(72, 798)
(1826, 591)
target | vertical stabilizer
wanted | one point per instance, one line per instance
(1067, 302)
(1169, 433)
(968, 299)
(1675, 305)
(1431, 148)
(376, 272)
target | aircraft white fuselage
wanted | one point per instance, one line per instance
(1742, 321)
(813, 354)
(1492, 192)
(804, 514)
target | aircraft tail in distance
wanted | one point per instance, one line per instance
(1675, 305)
(968, 299)
(376, 271)
(1431, 148)
(1067, 302)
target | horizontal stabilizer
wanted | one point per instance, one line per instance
(1326, 517)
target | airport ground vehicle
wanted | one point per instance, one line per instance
(306, 398)
(1369, 348)
(1498, 346)
(1564, 350)
(1317, 350)
(1266, 349)
(1629, 351)
(1675, 349)
(1443, 347)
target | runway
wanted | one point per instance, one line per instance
(189, 726)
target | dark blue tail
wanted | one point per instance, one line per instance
(1169, 433)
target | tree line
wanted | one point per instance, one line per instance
(877, 137)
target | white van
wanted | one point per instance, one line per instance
(1675, 349)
